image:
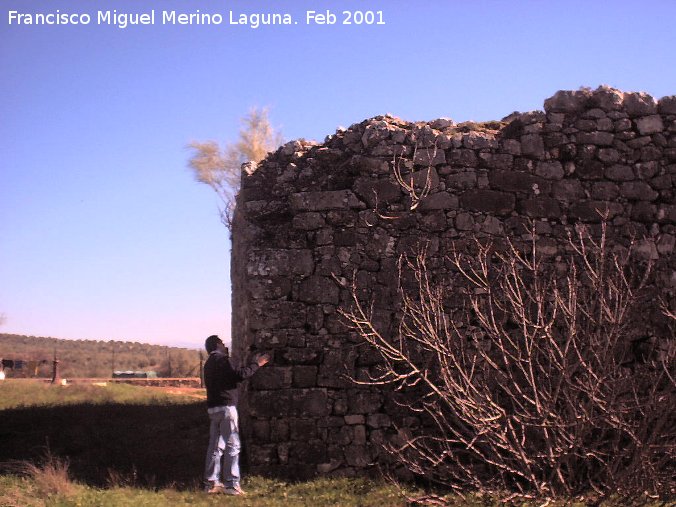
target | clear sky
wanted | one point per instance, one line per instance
(103, 232)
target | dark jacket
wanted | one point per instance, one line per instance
(221, 379)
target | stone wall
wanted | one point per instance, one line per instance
(313, 214)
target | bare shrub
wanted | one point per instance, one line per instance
(525, 373)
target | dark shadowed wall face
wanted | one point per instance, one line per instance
(314, 218)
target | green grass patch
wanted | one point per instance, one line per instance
(22, 394)
(354, 492)
(260, 493)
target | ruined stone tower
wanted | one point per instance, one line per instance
(313, 214)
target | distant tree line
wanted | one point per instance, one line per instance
(92, 358)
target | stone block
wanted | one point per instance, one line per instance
(308, 221)
(363, 402)
(377, 192)
(568, 190)
(649, 153)
(464, 222)
(332, 421)
(340, 404)
(667, 105)
(608, 155)
(304, 376)
(326, 468)
(619, 172)
(607, 99)
(274, 262)
(639, 104)
(497, 160)
(357, 456)
(433, 221)
(479, 140)
(463, 158)
(664, 182)
(261, 430)
(605, 191)
(643, 211)
(488, 201)
(429, 156)
(378, 420)
(638, 191)
(665, 244)
(268, 404)
(263, 454)
(341, 435)
(272, 377)
(461, 180)
(592, 211)
(540, 207)
(666, 213)
(589, 169)
(646, 250)
(279, 429)
(358, 434)
(649, 125)
(596, 138)
(302, 429)
(517, 181)
(555, 139)
(550, 170)
(355, 419)
(532, 146)
(439, 201)
(337, 368)
(318, 289)
(567, 101)
(298, 356)
(309, 402)
(324, 201)
(269, 288)
(266, 314)
(308, 451)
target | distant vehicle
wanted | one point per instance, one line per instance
(134, 374)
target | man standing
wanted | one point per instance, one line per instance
(221, 381)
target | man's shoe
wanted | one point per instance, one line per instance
(234, 490)
(216, 489)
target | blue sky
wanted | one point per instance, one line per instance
(103, 232)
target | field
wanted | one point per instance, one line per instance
(123, 445)
(117, 445)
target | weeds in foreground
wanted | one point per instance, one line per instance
(50, 477)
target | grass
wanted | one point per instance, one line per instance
(27, 393)
(124, 445)
(20, 491)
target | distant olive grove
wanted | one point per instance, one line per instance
(91, 358)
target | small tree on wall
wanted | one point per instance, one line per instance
(533, 384)
(220, 168)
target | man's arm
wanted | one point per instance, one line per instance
(247, 371)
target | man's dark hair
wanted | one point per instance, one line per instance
(211, 343)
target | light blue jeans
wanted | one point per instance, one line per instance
(223, 443)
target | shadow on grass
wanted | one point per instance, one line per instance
(143, 445)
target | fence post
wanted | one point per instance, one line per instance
(55, 369)
(201, 370)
